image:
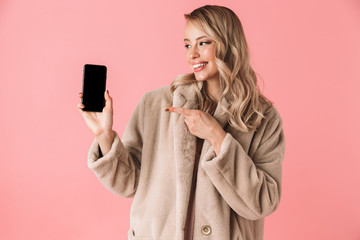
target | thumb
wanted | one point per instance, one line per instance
(108, 100)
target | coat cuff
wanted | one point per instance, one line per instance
(211, 158)
(95, 157)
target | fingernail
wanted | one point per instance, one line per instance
(167, 109)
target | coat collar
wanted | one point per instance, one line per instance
(185, 96)
(185, 149)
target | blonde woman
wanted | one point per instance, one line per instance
(208, 166)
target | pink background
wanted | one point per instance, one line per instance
(307, 53)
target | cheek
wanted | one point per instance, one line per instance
(209, 53)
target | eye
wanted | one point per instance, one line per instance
(203, 43)
(187, 45)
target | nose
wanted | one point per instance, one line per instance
(194, 53)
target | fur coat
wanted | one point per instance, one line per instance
(153, 164)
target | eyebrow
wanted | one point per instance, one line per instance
(185, 39)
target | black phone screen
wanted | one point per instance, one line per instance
(94, 85)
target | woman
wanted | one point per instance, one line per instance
(209, 166)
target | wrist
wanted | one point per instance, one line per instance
(218, 138)
(106, 140)
(106, 135)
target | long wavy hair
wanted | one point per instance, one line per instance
(238, 81)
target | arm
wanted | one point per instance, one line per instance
(105, 141)
(216, 140)
(119, 169)
(251, 186)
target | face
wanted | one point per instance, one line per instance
(200, 53)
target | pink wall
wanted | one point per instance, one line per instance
(307, 53)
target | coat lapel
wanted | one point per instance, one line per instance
(185, 149)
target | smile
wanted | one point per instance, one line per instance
(200, 66)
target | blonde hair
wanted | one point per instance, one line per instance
(238, 81)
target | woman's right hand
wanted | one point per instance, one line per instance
(100, 123)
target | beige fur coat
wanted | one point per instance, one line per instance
(153, 164)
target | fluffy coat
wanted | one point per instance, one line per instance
(153, 164)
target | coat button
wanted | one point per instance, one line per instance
(206, 230)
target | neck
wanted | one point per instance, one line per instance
(213, 88)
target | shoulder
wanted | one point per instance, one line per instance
(158, 97)
(159, 93)
(271, 124)
(271, 113)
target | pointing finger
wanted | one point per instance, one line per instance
(183, 111)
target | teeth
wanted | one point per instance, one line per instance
(199, 65)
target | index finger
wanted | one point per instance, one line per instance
(183, 111)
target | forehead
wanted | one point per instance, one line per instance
(193, 31)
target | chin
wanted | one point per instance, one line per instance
(200, 78)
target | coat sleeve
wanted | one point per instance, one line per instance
(119, 169)
(251, 186)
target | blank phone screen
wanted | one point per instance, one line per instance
(94, 84)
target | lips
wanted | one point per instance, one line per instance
(198, 66)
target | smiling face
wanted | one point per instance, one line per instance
(200, 53)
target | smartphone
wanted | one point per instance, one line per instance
(94, 85)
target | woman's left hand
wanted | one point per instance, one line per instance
(202, 125)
